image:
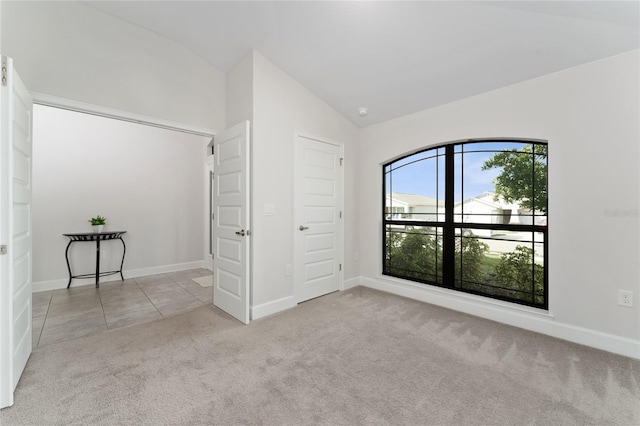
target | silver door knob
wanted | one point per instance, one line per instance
(302, 228)
(241, 233)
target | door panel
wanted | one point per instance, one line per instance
(21, 234)
(231, 261)
(15, 231)
(230, 283)
(318, 210)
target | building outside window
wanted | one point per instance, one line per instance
(470, 216)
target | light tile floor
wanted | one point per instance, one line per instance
(65, 314)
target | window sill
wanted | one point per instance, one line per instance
(454, 295)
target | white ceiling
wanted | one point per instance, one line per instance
(395, 57)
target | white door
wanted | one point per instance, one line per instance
(15, 230)
(231, 250)
(318, 210)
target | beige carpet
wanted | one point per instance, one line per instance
(358, 357)
(206, 281)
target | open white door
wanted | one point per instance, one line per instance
(16, 108)
(318, 209)
(231, 196)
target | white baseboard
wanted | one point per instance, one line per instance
(130, 273)
(273, 307)
(351, 283)
(518, 316)
(142, 272)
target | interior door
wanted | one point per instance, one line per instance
(231, 220)
(318, 206)
(16, 108)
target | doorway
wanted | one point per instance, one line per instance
(143, 179)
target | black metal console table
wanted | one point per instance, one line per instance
(97, 237)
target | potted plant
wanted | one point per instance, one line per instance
(97, 223)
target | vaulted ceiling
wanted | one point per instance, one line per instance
(395, 57)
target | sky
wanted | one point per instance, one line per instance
(423, 173)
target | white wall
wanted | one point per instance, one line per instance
(281, 108)
(239, 104)
(590, 116)
(145, 180)
(1, 50)
(70, 50)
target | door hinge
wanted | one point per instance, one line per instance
(4, 73)
(3, 249)
(340, 215)
(341, 160)
(340, 267)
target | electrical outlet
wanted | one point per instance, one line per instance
(625, 298)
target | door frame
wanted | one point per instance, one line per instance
(208, 209)
(297, 214)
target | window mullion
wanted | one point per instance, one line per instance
(449, 241)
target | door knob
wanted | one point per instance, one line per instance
(302, 228)
(241, 233)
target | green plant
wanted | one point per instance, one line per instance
(415, 254)
(98, 220)
(469, 257)
(518, 271)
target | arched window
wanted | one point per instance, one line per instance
(470, 216)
